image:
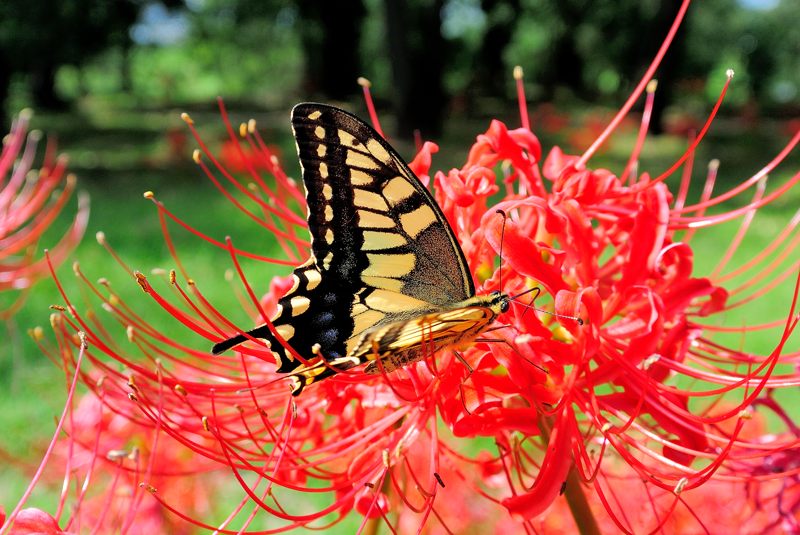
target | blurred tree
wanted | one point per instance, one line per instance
(418, 54)
(491, 74)
(38, 36)
(775, 55)
(603, 51)
(597, 50)
(656, 22)
(668, 72)
(565, 65)
(761, 40)
(331, 34)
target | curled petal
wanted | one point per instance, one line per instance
(32, 521)
(556, 465)
(495, 420)
(421, 164)
(557, 163)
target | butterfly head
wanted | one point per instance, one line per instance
(499, 301)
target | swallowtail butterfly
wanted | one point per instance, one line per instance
(387, 283)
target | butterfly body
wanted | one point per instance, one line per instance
(387, 280)
(391, 345)
(394, 345)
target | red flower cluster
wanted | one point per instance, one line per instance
(29, 204)
(633, 414)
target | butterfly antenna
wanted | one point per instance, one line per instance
(502, 236)
(536, 289)
(526, 292)
(576, 319)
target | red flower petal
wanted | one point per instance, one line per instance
(556, 163)
(34, 521)
(497, 419)
(421, 164)
(556, 465)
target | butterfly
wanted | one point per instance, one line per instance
(386, 283)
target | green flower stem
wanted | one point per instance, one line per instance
(578, 505)
(573, 491)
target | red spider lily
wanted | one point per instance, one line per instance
(115, 454)
(714, 507)
(104, 456)
(30, 201)
(636, 416)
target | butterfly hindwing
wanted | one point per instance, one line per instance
(400, 343)
(294, 318)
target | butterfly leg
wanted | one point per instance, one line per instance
(323, 369)
(463, 361)
(514, 349)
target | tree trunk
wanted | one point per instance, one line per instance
(5, 83)
(565, 67)
(491, 76)
(667, 72)
(331, 39)
(43, 90)
(418, 54)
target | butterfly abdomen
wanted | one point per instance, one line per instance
(400, 343)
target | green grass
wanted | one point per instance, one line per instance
(118, 153)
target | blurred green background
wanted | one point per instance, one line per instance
(108, 80)
(429, 58)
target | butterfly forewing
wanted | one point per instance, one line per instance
(382, 252)
(371, 220)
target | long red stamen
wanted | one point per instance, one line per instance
(521, 101)
(373, 115)
(637, 91)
